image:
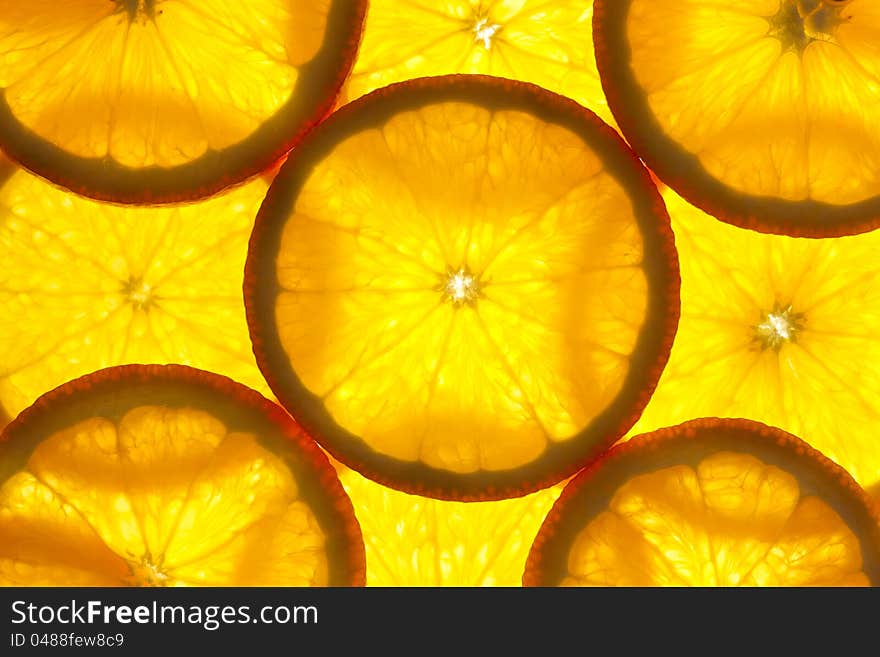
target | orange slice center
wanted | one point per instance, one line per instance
(800, 22)
(484, 29)
(461, 287)
(779, 326)
(139, 9)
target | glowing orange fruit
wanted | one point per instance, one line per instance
(163, 100)
(88, 285)
(463, 286)
(546, 43)
(419, 541)
(762, 112)
(709, 503)
(169, 476)
(777, 329)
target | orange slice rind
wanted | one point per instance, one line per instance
(462, 286)
(711, 502)
(761, 112)
(181, 98)
(168, 476)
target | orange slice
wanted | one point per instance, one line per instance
(164, 100)
(463, 286)
(709, 503)
(418, 541)
(169, 476)
(761, 112)
(87, 285)
(547, 43)
(777, 329)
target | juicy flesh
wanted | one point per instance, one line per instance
(546, 43)
(166, 82)
(774, 97)
(418, 541)
(523, 207)
(88, 285)
(730, 521)
(815, 385)
(166, 497)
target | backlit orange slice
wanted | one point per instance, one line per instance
(709, 503)
(547, 43)
(778, 329)
(169, 476)
(763, 113)
(418, 541)
(463, 286)
(165, 100)
(86, 285)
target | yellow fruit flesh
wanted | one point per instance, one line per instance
(87, 285)
(165, 84)
(164, 497)
(732, 520)
(742, 293)
(444, 318)
(418, 541)
(774, 97)
(547, 43)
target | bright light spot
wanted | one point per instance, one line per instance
(155, 572)
(138, 293)
(461, 287)
(780, 326)
(146, 573)
(141, 295)
(484, 31)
